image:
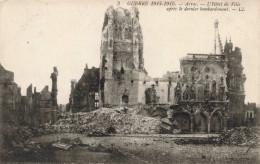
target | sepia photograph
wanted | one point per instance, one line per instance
(118, 81)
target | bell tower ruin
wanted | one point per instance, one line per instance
(121, 57)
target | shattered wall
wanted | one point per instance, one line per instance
(164, 87)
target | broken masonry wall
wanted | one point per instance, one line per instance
(164, 91)
(106, 56)
(142, 85)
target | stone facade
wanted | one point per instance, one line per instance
(201, 103)
(201, 93)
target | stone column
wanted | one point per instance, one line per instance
(225, 124)
(191, 123)
(208, 124)
(54, 90)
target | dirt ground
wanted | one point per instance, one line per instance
(147, 149)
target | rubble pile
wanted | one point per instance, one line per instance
(242, 136)
(105, 120)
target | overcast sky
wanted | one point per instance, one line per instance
(37, 35)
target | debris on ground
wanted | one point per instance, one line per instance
(105, 120)
(170, 126)
(97, 134)
(66, 143)
(196, 141)
(62, 145)
(153, 111)
(241, 136)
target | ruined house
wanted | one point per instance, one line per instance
(41, 107)
(44, 104)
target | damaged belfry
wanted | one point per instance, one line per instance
(121, 68)
(206, 95)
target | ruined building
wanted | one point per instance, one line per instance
(121, 68)
(83, 96)
(206, 95)
(201, 91)
(122, 79)
(35, 107)
(10, 100)
(41, 107)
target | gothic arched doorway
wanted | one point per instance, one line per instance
(200, 122)
(124, 99)
(215, 122)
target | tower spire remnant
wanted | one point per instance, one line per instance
(217, 42)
